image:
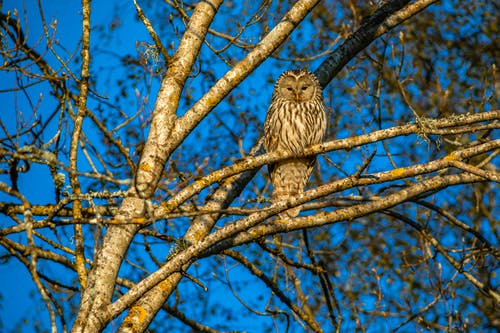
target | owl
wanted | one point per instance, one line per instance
(295, 120)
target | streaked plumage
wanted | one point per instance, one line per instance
(295, 120)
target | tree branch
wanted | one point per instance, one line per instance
(75, 140)
(156, 153)
(275, 289)
(349, 143)
(389, 15)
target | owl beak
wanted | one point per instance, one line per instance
(297, 97)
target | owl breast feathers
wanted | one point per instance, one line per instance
(295, 120)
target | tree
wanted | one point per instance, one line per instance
(158, 213)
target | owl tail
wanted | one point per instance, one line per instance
(289, 180)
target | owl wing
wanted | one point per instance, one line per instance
(271, 134)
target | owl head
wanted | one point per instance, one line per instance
(297, 86)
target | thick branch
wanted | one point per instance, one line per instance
(155, 152)
(151, 302)
(356, 141)
(390, 15)
(431, 184)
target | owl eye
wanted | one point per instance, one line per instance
(289, 89)
(304, 87)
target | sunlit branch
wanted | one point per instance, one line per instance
(45, 254)
(152, 32)
(156, 153)
(200, 227)
(13, 192)
(410, 10)
(487, 174)
(249, 231)
(356, 141)
(75, 138)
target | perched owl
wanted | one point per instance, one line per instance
(295, 120)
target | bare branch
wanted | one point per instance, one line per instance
(275, 289)
(75, 139)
